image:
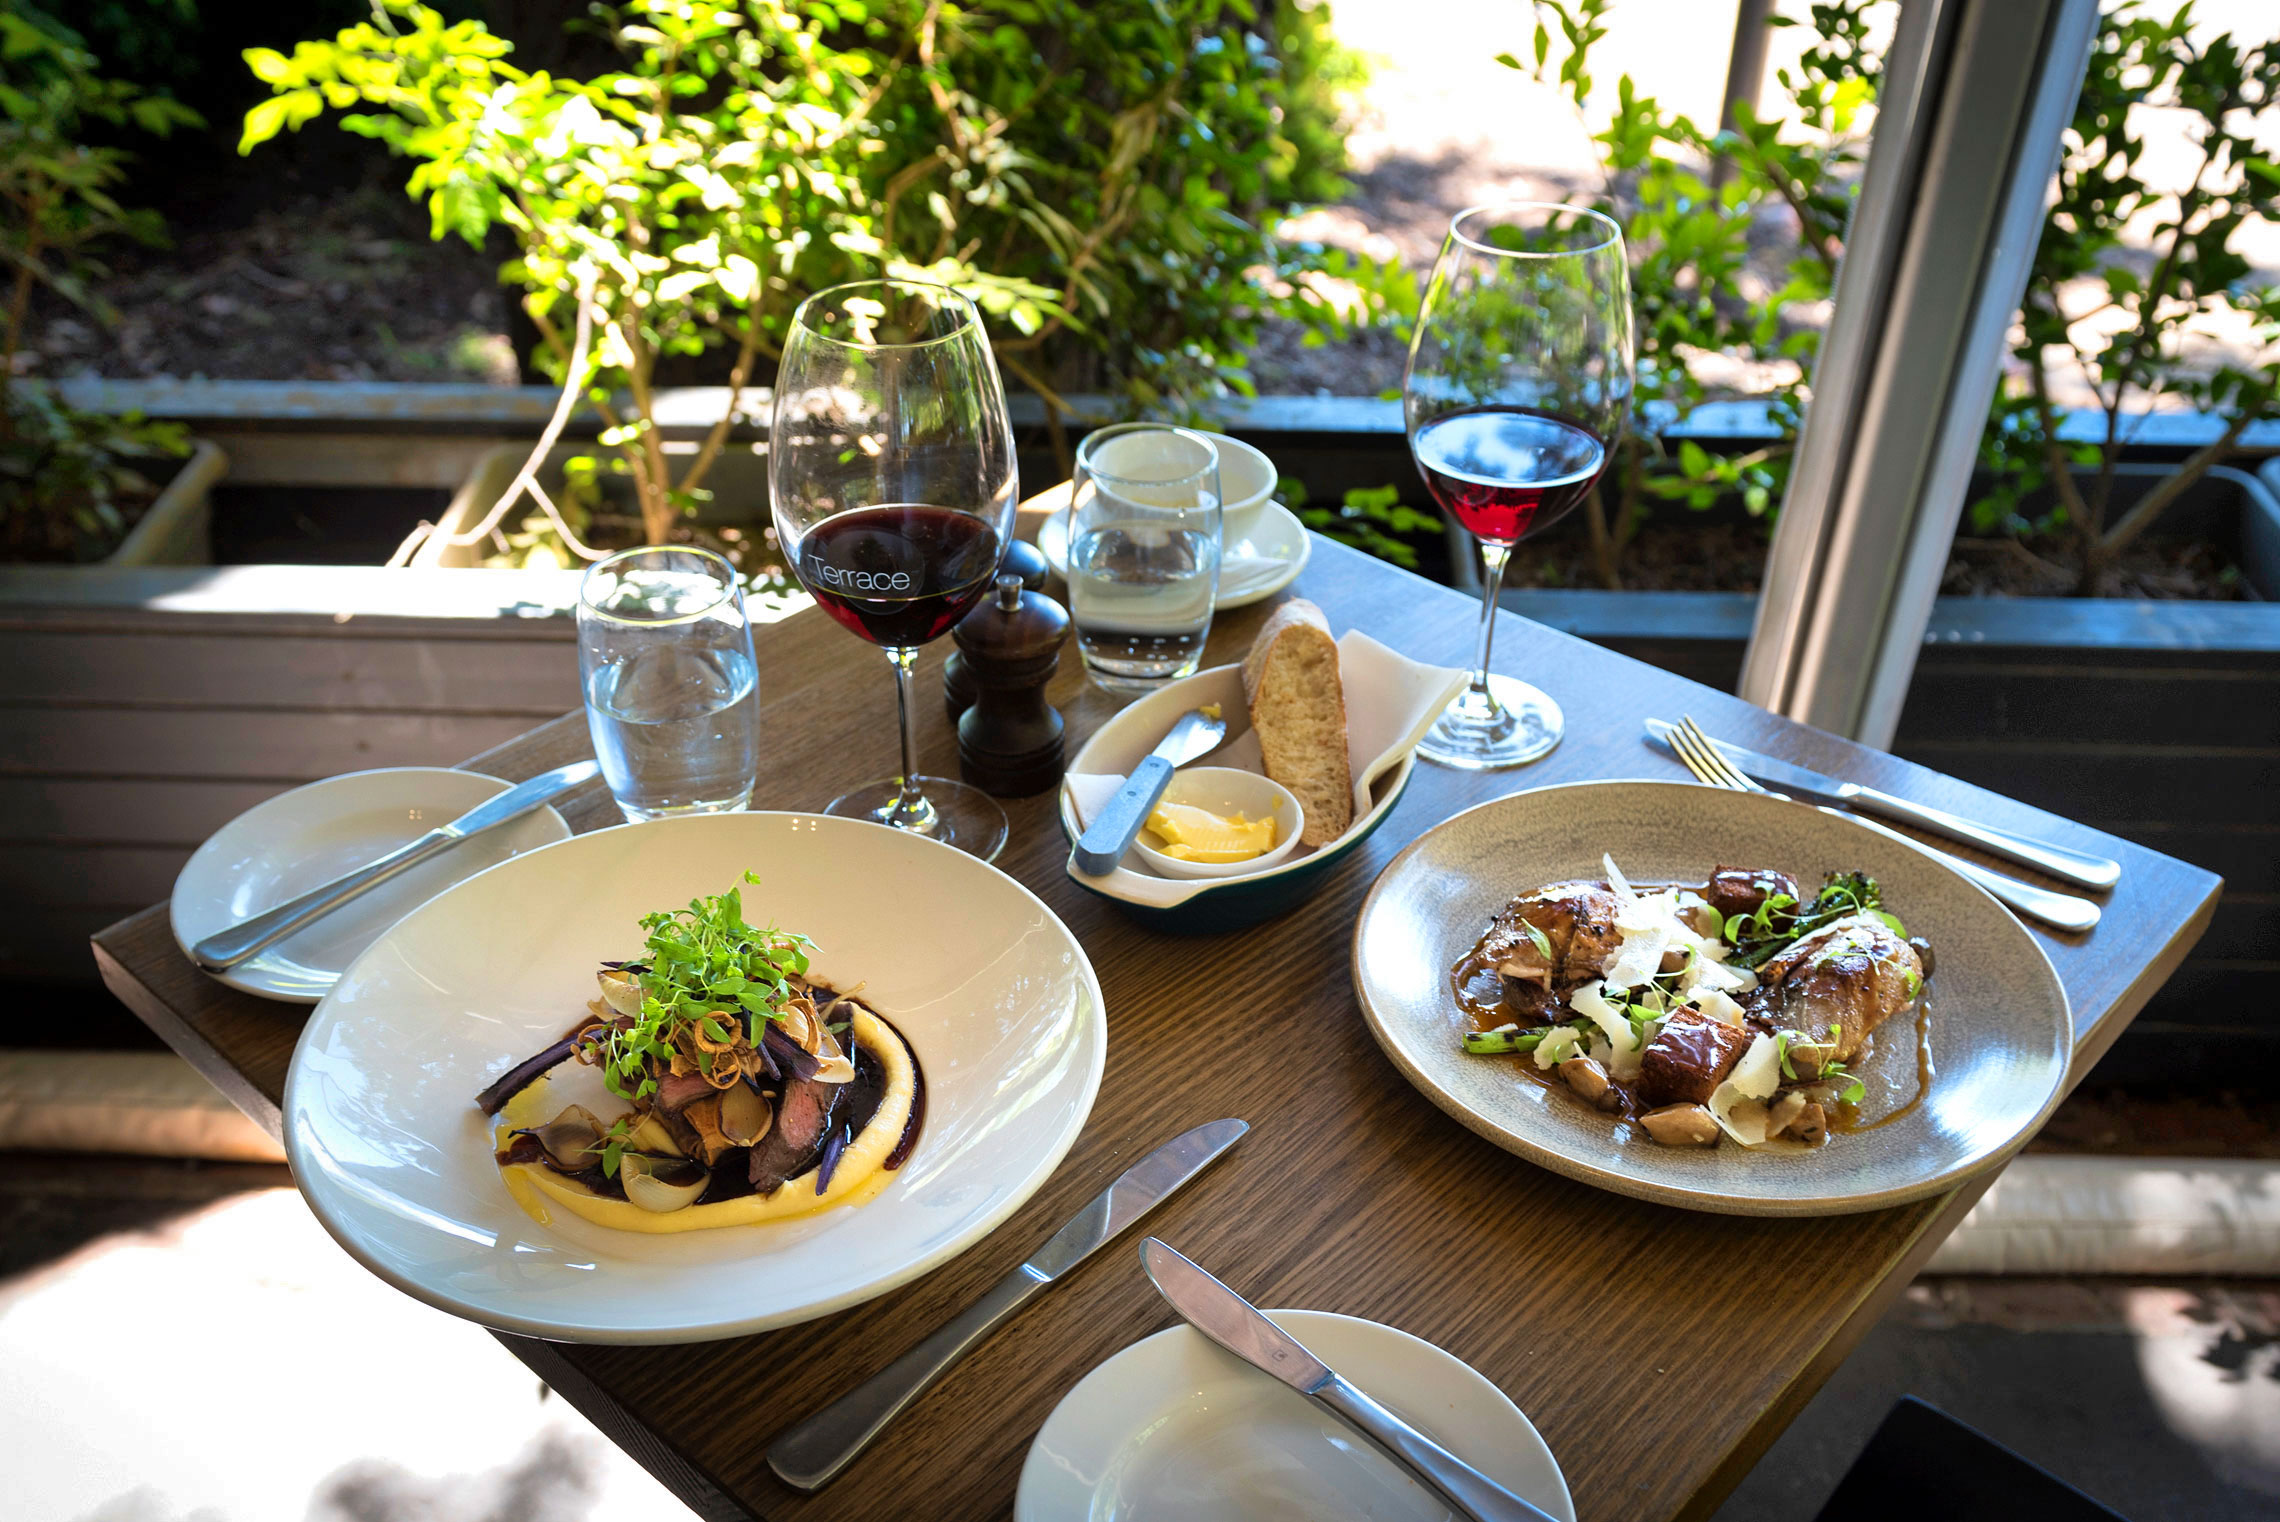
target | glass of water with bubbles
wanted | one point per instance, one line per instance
(672, 692)
(1144, 545)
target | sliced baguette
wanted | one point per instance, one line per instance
(1298, 708)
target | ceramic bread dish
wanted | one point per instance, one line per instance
(1390, 701)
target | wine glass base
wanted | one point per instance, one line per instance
(1518, 725)
(958, 815)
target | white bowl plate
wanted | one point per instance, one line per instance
(280, 849)
(992, 991)
(1173, 1429)
(1999, 1029)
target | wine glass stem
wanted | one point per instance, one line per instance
(1492, 560)
(911, 811)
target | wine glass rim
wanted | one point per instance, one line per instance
(1613, 238)
(969, 316)
(728, 582)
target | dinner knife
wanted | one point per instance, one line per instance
(224, 949)
(809, 1454)
(1236, 1325)
(2077, 867)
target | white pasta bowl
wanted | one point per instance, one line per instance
(992, 992)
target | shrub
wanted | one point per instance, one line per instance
(68, 479)
(1094, 175)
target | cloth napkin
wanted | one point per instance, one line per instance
(1391, 701)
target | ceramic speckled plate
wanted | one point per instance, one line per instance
(2000, 1032)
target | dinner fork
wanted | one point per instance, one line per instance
(2063, 910)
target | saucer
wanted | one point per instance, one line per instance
(1257, 561)
(1173, 1427)
(278, 850)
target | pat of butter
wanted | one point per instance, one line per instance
(1196, 834)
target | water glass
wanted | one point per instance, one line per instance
(1144, 546)
(672, 691)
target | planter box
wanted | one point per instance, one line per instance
(178, 528)
(738, 481)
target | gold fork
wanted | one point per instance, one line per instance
(2064, 910)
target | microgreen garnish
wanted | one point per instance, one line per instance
(1539, 940)
(702, 962)
(1761, 935)
(1851, 1093)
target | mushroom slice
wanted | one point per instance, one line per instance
(1681, 1126)
(661, 1184)
(1589, 1080)
(703, 1117)
(744, 1115)
(572, 1139)
(1783, 1111)
(621, 991)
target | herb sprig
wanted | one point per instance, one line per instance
(703, 962)
(1778, 923)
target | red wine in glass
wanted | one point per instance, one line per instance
(902, 574)
(1503, 471)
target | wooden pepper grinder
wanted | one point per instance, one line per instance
(1009, 741)
(1025, 560)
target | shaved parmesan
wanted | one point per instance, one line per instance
(1626, 1049)
(1557, 1046)
(1738, 1104)
(1616, 879)
(1713, 1005)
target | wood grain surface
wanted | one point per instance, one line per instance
(1658, 1351)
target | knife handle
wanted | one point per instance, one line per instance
(224, 949)
(1110, 835)
(2076, 867)
(1464, 1488)
(2061, 909)
(808, 1454)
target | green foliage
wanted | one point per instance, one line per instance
(1096, 176)
(2123, 317)
(1696, 291)
(67, 478)
(1368, 519)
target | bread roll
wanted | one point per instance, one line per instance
(1298, 708)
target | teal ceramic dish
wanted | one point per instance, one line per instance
(1210, 906)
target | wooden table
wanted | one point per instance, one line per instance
(1658, 1351)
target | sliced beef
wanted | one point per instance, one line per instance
(1744, 890)
(1689, 1058)
(1848, 977)
(1577, 924)
(806, 1114)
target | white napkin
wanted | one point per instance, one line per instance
(1391, 701)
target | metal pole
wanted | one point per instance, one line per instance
(1976, 94)
(1745, 71)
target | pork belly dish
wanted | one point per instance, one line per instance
(1739, 1008)
(750, 1090)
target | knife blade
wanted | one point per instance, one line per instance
(1238, 1326)
(808, 1454)
(2077, 867)
(246, 939)
(1111, 832)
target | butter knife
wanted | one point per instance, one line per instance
(809, 1454)
(1236, 1325)
(2077, 867)
(246, 939)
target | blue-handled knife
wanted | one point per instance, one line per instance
(1110, 834)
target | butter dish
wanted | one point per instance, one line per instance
(1391, 701)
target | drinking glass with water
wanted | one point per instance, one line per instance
(672, 692)
(1144, 546)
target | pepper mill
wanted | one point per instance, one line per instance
(1028, 562)
(1009, 741)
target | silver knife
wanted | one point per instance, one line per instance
(809, 1454)
(2076, 867)
(1236, 1325)
(224, 949)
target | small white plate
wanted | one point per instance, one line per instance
(1259, 561)
(276, 851)
(1175, 1428)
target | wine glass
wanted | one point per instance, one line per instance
(891, 468)
(1518, 384)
